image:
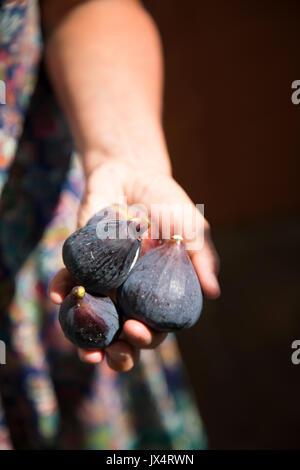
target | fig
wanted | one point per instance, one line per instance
(163, 290)
(100, 256)
(87, 321)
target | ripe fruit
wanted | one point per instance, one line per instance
(100, 256)
(163, 290)
(89, 322)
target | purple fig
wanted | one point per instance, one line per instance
(87, 321)
(163, 290)
(101, 256)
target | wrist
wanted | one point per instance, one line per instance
(126, 163)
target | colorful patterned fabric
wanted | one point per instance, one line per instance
(49, 399)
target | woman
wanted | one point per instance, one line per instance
(103, 61)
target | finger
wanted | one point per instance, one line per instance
(61, 285)
(140, 336)
(92, 357)
(206, 264)
(167, 205)
(121, 356)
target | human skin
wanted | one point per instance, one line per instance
(105, 62)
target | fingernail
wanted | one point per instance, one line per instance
(118, 356)
(215, 285)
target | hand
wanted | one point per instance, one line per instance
(109, 184)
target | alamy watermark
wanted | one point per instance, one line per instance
(295, 97)
(295, 357)
(2, 353)
(2, 92)
(164, 221)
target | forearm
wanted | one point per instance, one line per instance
(104, 60)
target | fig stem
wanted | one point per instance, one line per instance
(79, 291)
(176, 239)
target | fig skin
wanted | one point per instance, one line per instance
(163, 290)
(89, 322)
(100, 256)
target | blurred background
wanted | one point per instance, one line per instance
(234, 138)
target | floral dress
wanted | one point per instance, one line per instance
(49, 399)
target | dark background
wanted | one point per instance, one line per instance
(234, 139)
